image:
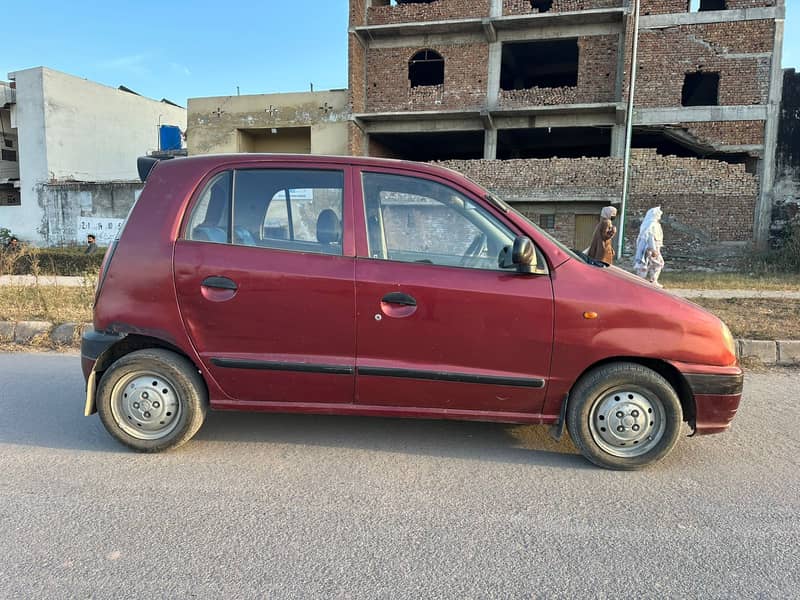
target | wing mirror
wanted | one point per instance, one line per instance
(522, 256)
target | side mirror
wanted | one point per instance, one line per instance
(522, 256)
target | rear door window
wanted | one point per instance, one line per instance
(286, 209)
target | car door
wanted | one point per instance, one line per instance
(439, 325)
(264, 275)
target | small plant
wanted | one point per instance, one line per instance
(5, 236)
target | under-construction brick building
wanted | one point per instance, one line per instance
(529, 98)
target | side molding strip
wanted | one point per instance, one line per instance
(455, 377)
(259, 365)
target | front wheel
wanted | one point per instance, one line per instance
(624, 416)
(152, 400)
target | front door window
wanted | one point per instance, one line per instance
(421, 221)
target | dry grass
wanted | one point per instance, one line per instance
(731, 281)
(47, 303)
(757, 319)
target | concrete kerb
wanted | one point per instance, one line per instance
(769, 352)
(28, 333)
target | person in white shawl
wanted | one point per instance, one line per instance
(649, 262)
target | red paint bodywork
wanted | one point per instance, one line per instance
(318, 309)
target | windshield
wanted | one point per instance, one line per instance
(508, 208)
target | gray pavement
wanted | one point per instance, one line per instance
(275, 506)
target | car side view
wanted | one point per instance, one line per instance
(356, 286)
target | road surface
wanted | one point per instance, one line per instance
(264, 506)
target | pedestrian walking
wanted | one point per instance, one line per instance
(601, 247)
(649, 262)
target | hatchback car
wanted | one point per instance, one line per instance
(358, 286)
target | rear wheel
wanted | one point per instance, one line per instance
(152, 400)
(624, 416)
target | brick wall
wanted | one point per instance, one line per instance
(355, 140)
(356, 58)
(597, 66)
(438, 10)
(358, 12)
(659, 7)
(523, 7)
(732, 133)
(704, 201)
(667, 55)
(389, 89)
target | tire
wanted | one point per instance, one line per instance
(624, 416)
(152, 400)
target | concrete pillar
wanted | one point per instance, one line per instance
(618, 141)
(763, 213)
(493, 78)
(490, 144)
(496, 9)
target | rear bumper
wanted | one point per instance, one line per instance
(716, 397)
(93, 344)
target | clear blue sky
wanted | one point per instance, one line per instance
(185, 49)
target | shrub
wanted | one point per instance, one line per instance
(51, 261)
(783, 259)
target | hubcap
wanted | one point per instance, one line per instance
(627, 423)
(145, 405)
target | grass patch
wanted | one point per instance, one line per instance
(47, 303)
(757, 318)
(731, 281)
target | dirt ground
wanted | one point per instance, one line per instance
(757, 318)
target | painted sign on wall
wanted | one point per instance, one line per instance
(105, 229)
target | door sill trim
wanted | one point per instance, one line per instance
(365, 410)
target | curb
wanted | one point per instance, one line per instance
(24, 333)
(769, 352)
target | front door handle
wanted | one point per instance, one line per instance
(220, 283)
(399, 298)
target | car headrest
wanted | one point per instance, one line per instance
(329, 228)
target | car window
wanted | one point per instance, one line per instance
(286, 209)
(417, 220)
(211, 217)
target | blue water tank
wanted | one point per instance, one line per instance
(169, 138)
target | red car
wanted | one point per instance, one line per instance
(359, 286)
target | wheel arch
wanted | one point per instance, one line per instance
(130, 343)
(663, 368)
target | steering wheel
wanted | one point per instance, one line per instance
(474, 250)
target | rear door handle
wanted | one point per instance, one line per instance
(399, 298)
(220, 283)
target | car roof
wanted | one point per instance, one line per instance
(208, 161)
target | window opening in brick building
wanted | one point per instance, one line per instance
(561, 142)
(542, 5)
(701, 5)
(426, 146)
(547, 221)
(426, 68)
(700, 89)
(677, 141)
(549, 64)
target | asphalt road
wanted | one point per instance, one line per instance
(261, 506)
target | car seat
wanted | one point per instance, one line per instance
(209, 230)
